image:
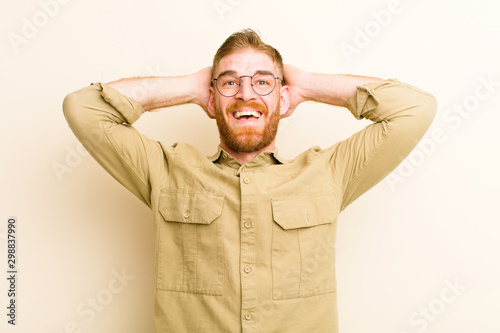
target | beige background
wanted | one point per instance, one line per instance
(426, 239)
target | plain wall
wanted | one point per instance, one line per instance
(417, 253)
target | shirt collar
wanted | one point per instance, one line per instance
(263, 159)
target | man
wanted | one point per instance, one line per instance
(245, 239)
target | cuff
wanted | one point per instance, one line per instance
(129, 108)
(365, 99)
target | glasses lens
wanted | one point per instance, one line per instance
(263, 83)
(228, 84)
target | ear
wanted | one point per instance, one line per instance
(284, 100)
(211, 104)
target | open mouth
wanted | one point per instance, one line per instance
(247, 114)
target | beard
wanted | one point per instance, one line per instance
(246, 138)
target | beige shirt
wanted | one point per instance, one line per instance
(248, 248)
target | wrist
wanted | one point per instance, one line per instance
(199, 85)
(331, 89)
(307, 89)
(195, 88)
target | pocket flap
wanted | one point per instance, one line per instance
(302, 212)
(190, 207)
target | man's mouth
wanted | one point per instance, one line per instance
(247, 114)
(246, 111)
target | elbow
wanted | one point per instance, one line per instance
(420, 106)
(74, 103)
(417, 112)
(427, 108)
(420, 115)
(75, 106)
(68, 103)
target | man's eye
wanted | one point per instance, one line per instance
(230, 83)
(262, 83)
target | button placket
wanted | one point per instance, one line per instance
(247, 254)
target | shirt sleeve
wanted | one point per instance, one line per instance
(401, 114)
(101, 118)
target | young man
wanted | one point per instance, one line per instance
(245, 239)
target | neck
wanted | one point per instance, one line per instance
(244, 157)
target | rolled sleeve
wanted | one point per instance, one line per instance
(363, 101)
(127, 107)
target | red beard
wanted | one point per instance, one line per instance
(248, 139)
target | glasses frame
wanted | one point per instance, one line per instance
(251, 84)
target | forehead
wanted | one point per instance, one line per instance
(246, 62)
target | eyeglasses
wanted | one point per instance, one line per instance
(263, 83)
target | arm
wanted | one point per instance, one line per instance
(101, 116)
(401, 114)
(329, 89)
(160, 92)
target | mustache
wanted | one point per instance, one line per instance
(253, 105)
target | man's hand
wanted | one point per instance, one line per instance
(295, 79)
(202, 81)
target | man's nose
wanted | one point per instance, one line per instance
(246, 91)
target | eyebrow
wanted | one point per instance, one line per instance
(256, 72)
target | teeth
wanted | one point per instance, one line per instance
(249, 113)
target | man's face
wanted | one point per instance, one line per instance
(247, 122)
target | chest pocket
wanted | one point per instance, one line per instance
(190, 247)
(303, 246)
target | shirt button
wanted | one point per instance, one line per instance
(248, 316)
(247, 269)
(247, 224)
(246, 180)
(224, 155)
(186, 214)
